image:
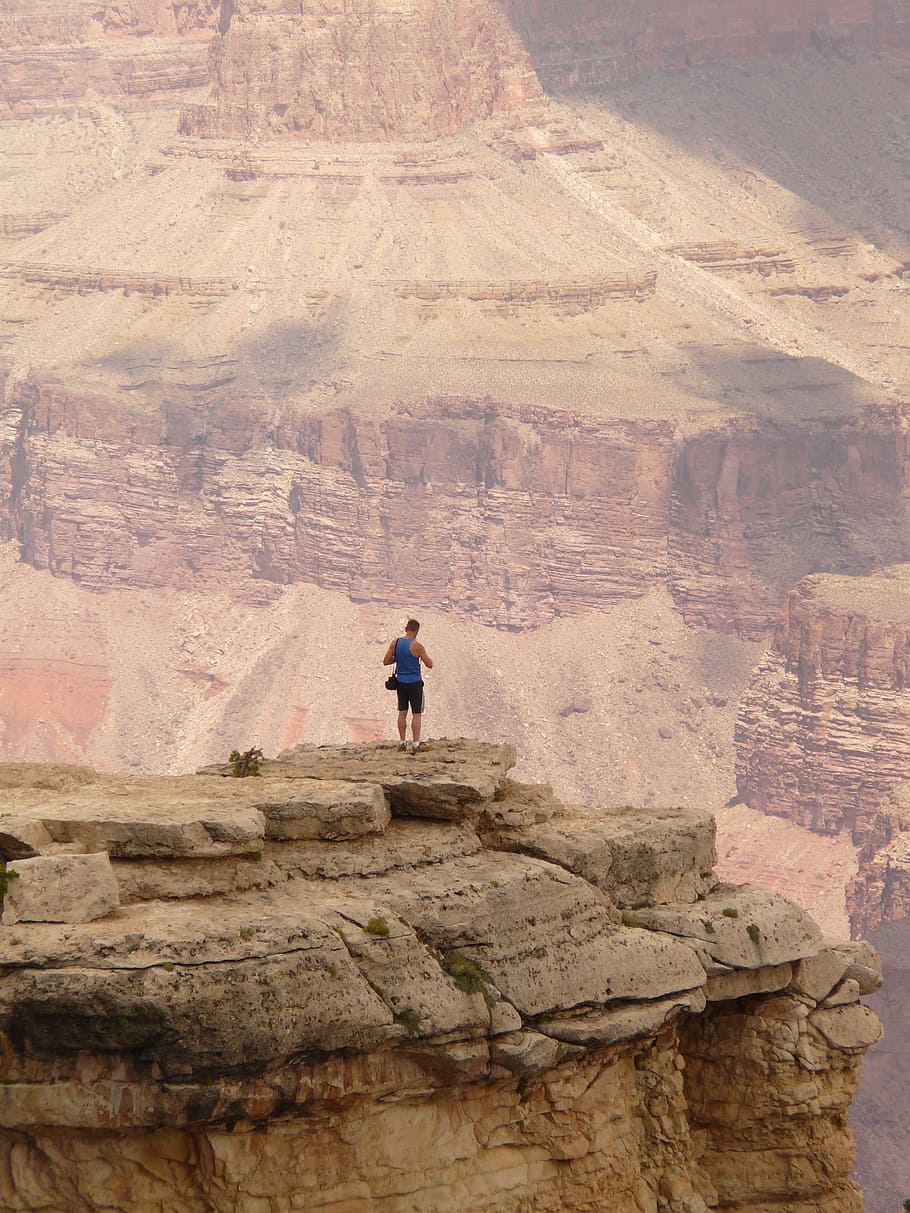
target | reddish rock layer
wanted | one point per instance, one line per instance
(576, 43)
(374, 69)
(523, 515)
(130, 49)
(824, 731)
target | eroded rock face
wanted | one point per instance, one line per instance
(51, 55)
(822, 735)
(724, 517)
(374, 69)
(403, 1015)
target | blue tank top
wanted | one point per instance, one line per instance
(408, 665)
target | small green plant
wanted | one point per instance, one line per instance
(409, 1020)
(378, 926)
(6, 879)
(247, 933)
(708, 925)
(339, 931)
(169, 966)
(245, 764)
(467, 974)
(730, 912)
(332, 970)
(753, 932)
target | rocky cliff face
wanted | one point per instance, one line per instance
(822, 734)
(524, 515)
(371, 70)
(136, 50)
(395, 982)
(583, 44)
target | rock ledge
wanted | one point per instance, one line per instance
(365, 980)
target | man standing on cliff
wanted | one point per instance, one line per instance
(407, 653)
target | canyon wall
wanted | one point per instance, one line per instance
(822, 734)
(523, 515)
(583, 43)
(372, 981)
(383, 70)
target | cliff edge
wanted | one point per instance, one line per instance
(363, 981)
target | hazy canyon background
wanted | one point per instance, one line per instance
(579, 329)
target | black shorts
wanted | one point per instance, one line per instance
(410, 695)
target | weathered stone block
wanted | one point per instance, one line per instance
(816, 976)
(328, 809)
(60, 888)
(637, 858)
(22, 837)
(855, 1027)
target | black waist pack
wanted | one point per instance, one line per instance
(391, 683)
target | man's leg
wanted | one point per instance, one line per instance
(416, 718)
(402, 724)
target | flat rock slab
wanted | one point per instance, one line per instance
(746, 927)
(328, 809)
(406, 843)
(637, 858)
(544, 937)
(183, 816)
(60, 888)
(449, 781)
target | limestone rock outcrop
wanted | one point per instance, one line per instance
(390, 982)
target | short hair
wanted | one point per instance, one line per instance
(412, 626)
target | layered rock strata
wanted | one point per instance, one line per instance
(372, 981)
(134, 50)
(524, 514)
(880, 891)
(822, 735)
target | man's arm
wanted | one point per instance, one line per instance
(419, 651)
(389, 658)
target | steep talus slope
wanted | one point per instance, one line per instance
(406, 983)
